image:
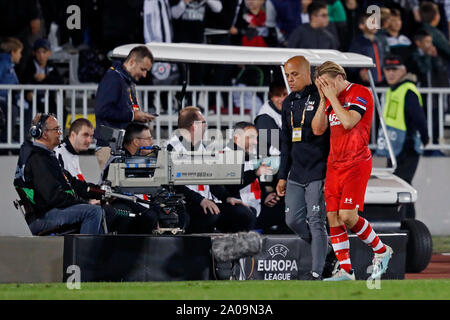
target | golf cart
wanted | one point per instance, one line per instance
(386, 193)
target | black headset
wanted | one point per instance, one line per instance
(36, 130)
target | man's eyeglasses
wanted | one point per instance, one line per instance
(147, 138)
(203, 122)
(58, 129)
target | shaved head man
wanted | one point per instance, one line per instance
(298, 73)
(303, 164)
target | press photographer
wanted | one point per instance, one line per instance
(125, 216)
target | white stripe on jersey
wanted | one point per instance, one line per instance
(358, 105)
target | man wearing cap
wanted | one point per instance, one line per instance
(405, 120)
(40, 70)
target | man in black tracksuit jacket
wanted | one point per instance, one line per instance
(303, 163)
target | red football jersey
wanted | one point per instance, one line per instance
(350, 146)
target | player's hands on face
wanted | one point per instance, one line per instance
(319, 88)
(209, 206)
(281, 188)
(328, 88)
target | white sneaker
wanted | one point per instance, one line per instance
(341, 275)
(380, 262)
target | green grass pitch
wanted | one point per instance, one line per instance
(234, 290)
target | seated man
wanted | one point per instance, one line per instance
(80, 136)
(270, 212)
(54, 192)
(137, 138)
(140, 218)
(245, 137)
(269, 120)
(212, 207)
(268, 124)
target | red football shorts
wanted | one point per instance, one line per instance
(345, 187)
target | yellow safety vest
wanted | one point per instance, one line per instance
(394, 112)
(394, 117)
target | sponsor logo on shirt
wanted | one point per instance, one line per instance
(334, 121)
(309, 105)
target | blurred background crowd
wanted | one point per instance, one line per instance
(417, 30)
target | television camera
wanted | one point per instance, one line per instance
(158, 173)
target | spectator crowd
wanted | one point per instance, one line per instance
(396, 26)
(31, 31)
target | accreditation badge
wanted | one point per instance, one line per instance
(296, 134)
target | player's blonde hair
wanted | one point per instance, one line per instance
(331, 68)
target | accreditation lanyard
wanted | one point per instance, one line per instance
(297, 131)
(131, 91)
(132, 95)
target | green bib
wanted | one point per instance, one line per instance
(394, 112)
(394, 117)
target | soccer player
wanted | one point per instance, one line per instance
(347, 108)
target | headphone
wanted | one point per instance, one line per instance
(36, 130)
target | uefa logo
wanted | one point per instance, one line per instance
(278, 249)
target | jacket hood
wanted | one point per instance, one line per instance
(69, 146)
(118, 66)
(409, 77)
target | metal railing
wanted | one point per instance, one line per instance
(225, 106)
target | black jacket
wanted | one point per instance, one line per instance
(38, 169)
(52, 75)
(303, 161)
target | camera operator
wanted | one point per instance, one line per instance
(140, 218)
(56, 196)
(208, 207)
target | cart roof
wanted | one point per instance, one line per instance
(218, 54)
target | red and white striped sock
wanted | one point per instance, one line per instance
(364, 231)
(341, 246)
